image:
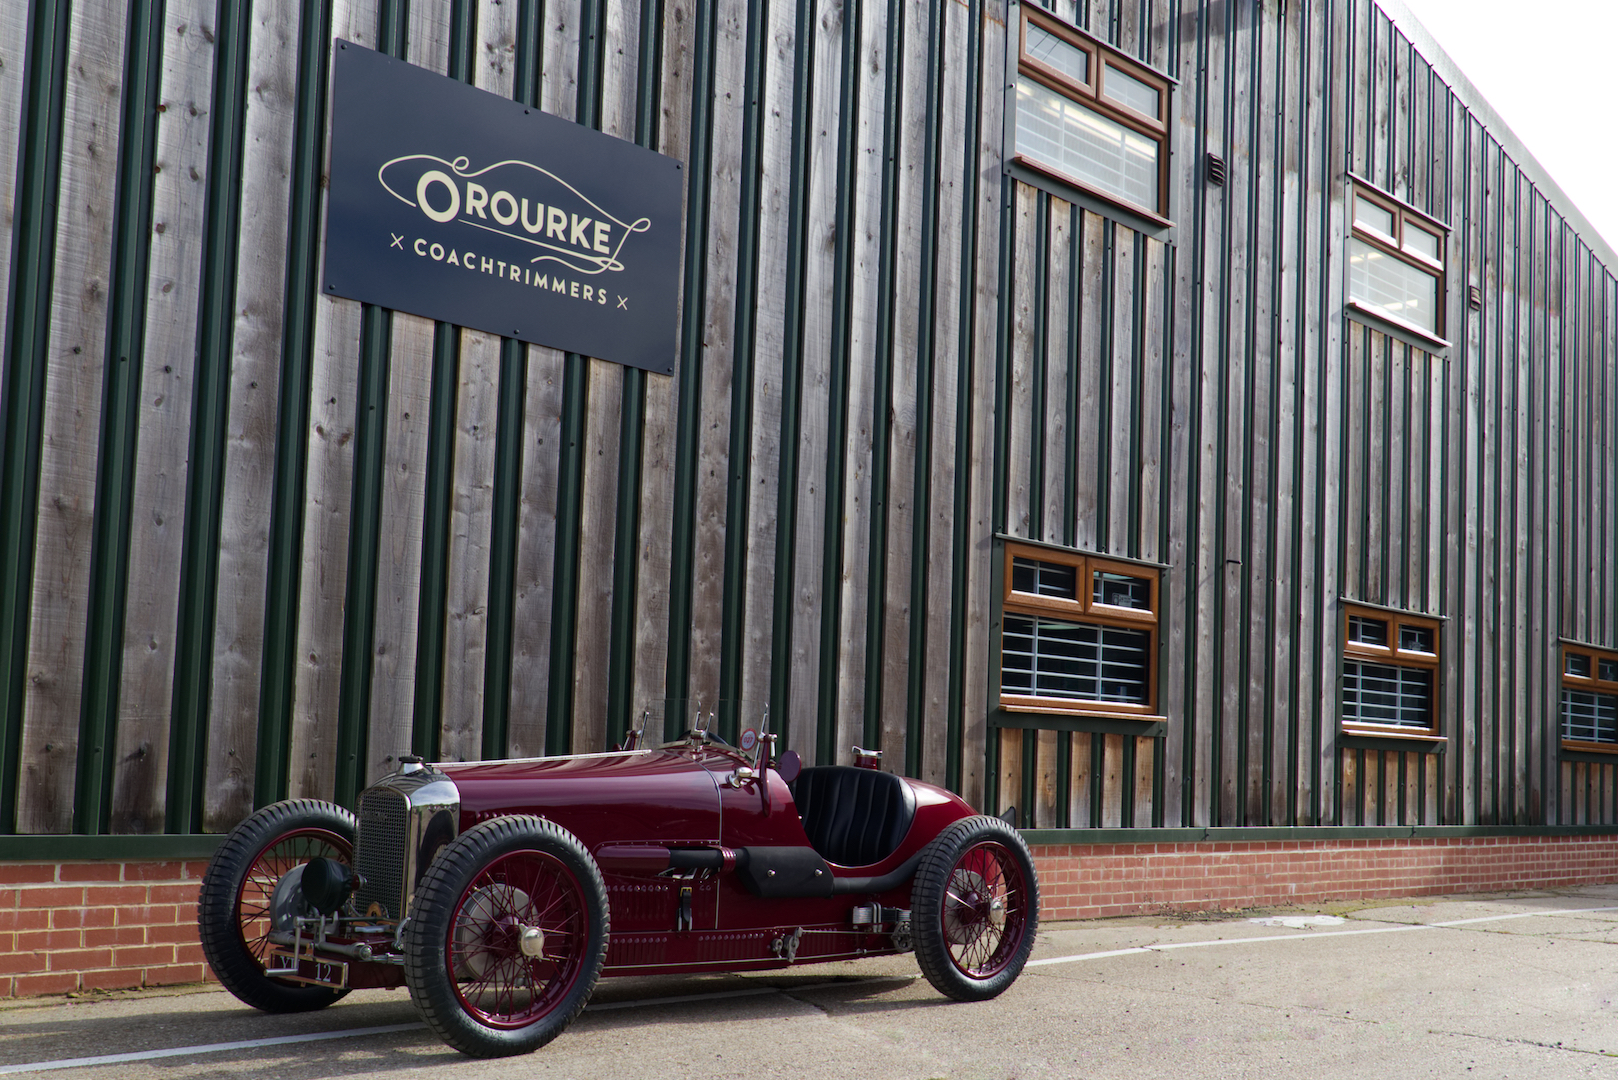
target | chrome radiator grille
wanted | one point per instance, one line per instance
(380, 852)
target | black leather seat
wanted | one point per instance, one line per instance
(854, 817)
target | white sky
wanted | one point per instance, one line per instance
(1547, 68)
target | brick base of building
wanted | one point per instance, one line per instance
(1097, 881)
(78, 926)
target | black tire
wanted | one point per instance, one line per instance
(974, 908)
(465, 955)
(233, 906)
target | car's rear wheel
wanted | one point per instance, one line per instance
(974, 908)
(507, 936)
(233, 908)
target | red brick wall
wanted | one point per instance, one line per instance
(1091, 881)
(98, 925)
(109, 925)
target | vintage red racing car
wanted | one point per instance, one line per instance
(498, 892)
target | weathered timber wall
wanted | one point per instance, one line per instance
(256, 542)
(1281, 457)
(269, 540)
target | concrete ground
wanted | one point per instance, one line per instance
(1518, 986)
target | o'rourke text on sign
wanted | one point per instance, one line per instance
(584, 243)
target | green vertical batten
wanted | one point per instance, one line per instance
(1137, 402)
(1436, 813)
(836, 486)
(433, 599)
(682, 552)
(1000, 463)
(1038, 368)
(1250, 331)
(1326, 176)
(882, 405)
(120, 418)
(506, 492)
(365, 504)
(1126, 809)
(364, 543)
(1107, 302)
(926, 315)
(733, 630)
(210, 411)
(1075, 318)
(1166, 456)
(632, 431)
(1299, 227)
(570, 467)
(506, 500)
(626, 561)
(786, 505)
(285, 564)
(965, 409)
(1098, 762)
(1194, 571)
(1064, 779)
(28, 317)
(1220, 569)
(1030, 774)
(565, 576)
(1000, 466)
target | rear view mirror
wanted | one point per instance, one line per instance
(788, 766)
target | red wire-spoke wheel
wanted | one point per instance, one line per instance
(233, 908)
(974, 908)
(514, 942)
(507, 936)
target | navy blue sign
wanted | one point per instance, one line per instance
(452, 203)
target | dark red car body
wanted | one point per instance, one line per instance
(623, 806)
(498, 892)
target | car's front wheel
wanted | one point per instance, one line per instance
(507, 936)
(974, 908)
(233, 908)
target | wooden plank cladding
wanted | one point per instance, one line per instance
(256, 542)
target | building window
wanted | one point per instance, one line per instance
(1396, 262)
(1390, 666)
(1079, 633)
(1589, 699)
(1089, 116)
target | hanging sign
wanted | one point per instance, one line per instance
(452, 203)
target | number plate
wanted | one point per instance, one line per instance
(283, 965)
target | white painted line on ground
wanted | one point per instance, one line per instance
(353, 1033)
(1311, 935)
(205, 1048)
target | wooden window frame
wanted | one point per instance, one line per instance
(1593, 683)
(1393, 656)
(1083, 609)
(1091, 94)
(1393, 246)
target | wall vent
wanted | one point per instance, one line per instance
(1474, 298)
(1216, 170)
